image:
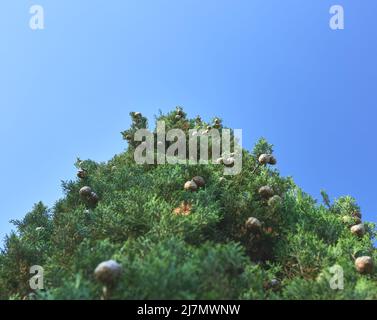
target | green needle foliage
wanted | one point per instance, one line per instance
(176, 244)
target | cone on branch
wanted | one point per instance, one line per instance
(81, 173)
(107, 272)
(264, 158)
(364, 265)
(266, 192)
(199, 181)
(253, 224)
(85, 192)
(358, 230)
(267, 159)
(190, 186)
(272, 161)
(93, 199)
(273, 284)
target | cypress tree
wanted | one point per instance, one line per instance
(188, 232)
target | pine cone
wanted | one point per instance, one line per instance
(267, 159)
(266, 192)
(273, 284)
(81, 173)
(272, 160)
(85, 192)
(253, 224)
(190, 186)
(264, 158)
(93, 199)
(358, 230)
(200, 182)
(108, 272)
(364, 264)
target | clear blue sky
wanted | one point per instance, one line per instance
(273, 68)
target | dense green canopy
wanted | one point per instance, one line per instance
(177, 244)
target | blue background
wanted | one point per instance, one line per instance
(273, 68)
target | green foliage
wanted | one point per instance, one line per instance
(262, 146)
(205, 253)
